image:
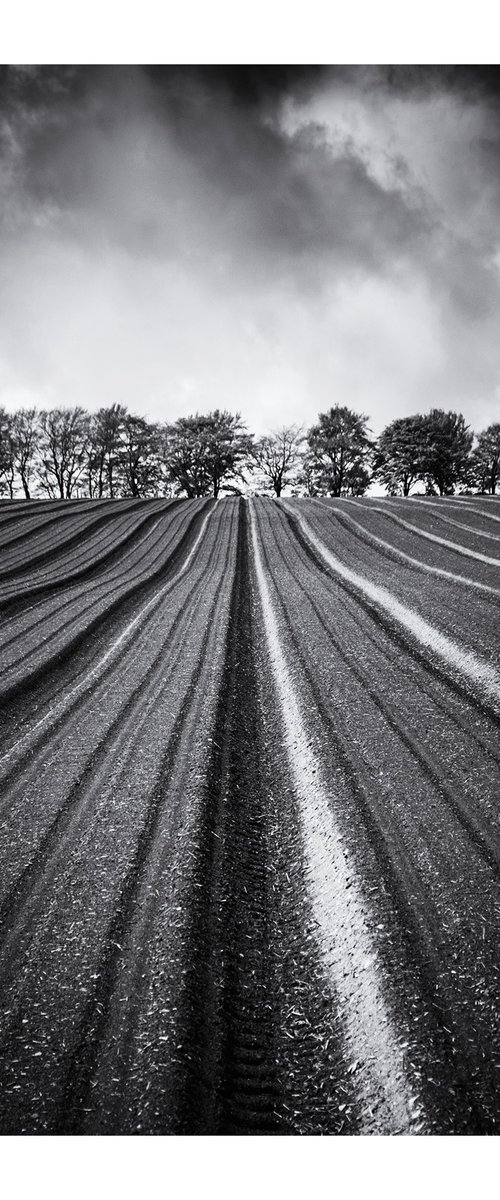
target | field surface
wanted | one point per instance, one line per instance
(250, 841)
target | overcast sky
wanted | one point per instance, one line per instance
(272, 241)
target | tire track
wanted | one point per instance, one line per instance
(233, 1085)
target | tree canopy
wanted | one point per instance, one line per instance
(205, 452)
(446, 445)
(486, 459)
(339, 452)
(64, 453)
(397, 458)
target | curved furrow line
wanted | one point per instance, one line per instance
(147, 549)
(111, 757)
(48, 510)
(431, 537)
(476, 532)
(89, 1089)
(25, 763)
(58, 711)
(33, 748)
(156, 828)
(485, 837)
(430, 553)
(54, 547)
(250, 844)
(470, 622)
(467, 1069)
(15, 510)
(59, 645)
(403, 642)
(483, 512)
(393, 649)
(464, 665)
(232, 1084)
(384, 1085)
(393, 552)
(104, 552)
(77, 1113)
(71, 557)
(494, 537)
(43, 522)
(214, 1053)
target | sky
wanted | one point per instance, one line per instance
(268, 240)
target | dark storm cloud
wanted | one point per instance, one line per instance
(272, 238)
(274, 201)
(251, 86)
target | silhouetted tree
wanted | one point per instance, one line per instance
(25, 426)
(308, 476)
(139, 457)
(278, 456)
(7, 468)
(63, 450)
(486, 459)
(446, 447)
(339, 452)
(397, 461)
(205, 452)
(106, 451)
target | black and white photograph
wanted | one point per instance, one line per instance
(249, 602)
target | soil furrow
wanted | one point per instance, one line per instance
(250, 850)
(468, 1071)
(78, 629)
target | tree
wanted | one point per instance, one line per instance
(339, 455)
(7, 469)
(185, 457)
(105, 450)
(206, 452)
(309, 476)
(63, 449)
(446, 447)
(486, 459)
(25, 427)
(139, 456)
(398, 455)
(278, 455)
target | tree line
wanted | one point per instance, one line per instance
(65, 453)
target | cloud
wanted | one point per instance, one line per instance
(273, 242)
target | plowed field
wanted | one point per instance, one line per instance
(250, 840)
